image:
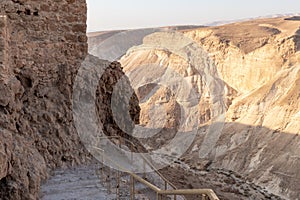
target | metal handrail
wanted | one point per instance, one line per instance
(146, 160)
(210, 193)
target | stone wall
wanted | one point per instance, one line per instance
(42, 44)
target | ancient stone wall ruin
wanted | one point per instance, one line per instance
(42, 44)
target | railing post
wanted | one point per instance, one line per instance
(131, 193)
(118, 185)
(109, 180)
(166, 185)
(120, 140)
(204, 197)
(159, 196)
(144, 168)
(102, 168)
(175, 197)
(131, 154)
(132, 190)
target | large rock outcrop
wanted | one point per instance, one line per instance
(42, 46)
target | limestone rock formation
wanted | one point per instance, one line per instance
(249, 54)
(255, 65)
(260, 59)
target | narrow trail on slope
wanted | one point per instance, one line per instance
(88, 183)
(77, 183)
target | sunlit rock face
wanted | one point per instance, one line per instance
(255, 66)
(249, 54)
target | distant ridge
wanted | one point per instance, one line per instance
(178, 27)
(218, 23)
(290, 16)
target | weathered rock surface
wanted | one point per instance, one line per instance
(42, 46)
(249, 54)
(267, 78)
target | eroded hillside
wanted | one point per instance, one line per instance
(255, 68)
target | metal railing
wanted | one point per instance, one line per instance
(146, 161)
(160, 193)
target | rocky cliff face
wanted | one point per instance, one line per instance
(42, 46)
(250, 54)
(256, 68)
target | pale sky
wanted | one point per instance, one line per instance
(130, 14)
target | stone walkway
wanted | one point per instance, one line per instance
(80, 183)
(83, 183)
